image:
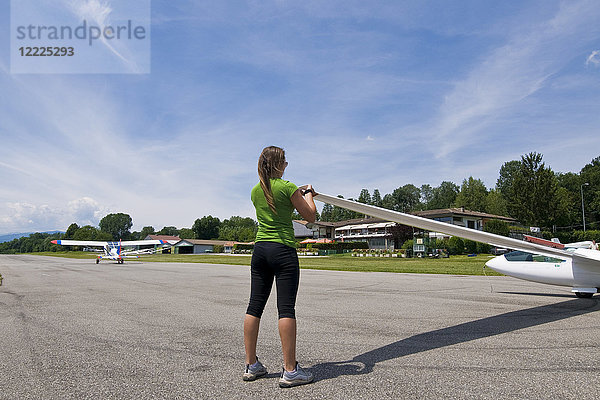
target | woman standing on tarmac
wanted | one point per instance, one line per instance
(275, 257)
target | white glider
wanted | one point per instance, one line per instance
(575, 267)
(114, 250)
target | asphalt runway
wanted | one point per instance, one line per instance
(71, 329)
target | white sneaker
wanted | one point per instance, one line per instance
(254, 372)
(295, 378)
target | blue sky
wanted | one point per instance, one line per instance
(360, 95)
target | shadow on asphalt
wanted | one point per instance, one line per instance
(541, 294)
(482, 328)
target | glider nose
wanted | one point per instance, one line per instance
(498, 264)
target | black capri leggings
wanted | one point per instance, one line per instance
(272, 259)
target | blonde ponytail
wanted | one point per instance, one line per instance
(270, 165)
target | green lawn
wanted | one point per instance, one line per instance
(456, 265)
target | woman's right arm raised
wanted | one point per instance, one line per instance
(305, 204)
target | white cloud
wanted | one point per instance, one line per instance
(86, 211)
(99, 13)
(25, 217)
(94, 10)
(593, 58)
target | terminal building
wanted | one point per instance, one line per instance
(380, 233)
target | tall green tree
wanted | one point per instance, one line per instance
(89, 232)
(404, 199)
(376, 198)
(561, 209)
(495, 203)
(117, 225)
(505, 185)
(147, 230)
(169, 231)
(327, 213)
(364, 197)
(472, 195)
(206, 227)
(570, 182)
(535, 192)
(443, 196)
(590, 174)
(506, 178)
(238, 229)
(186, 233)
(426, 196)
(71, 231)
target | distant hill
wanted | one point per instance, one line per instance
(12, 236)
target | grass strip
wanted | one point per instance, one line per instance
(455, 265)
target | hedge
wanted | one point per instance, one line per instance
(573, 236)
(456, 245)
(470, 246)
(243, 246)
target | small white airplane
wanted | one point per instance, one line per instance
(576, 265)
(114, 250)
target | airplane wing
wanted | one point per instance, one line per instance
(91, 243)
(96, 243)
(454, 230)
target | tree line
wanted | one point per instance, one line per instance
(527, 190)
(118, 227)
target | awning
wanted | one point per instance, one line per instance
(322, 240)
(350, 227)
(382, 225)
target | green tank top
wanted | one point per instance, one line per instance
(275, 227)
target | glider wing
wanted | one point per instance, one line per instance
(450, 229)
